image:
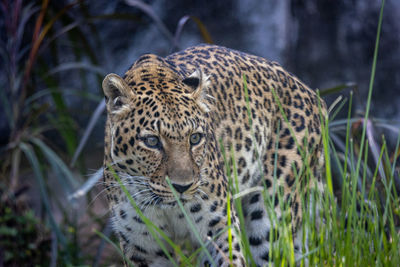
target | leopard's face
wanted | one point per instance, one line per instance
(157, 129)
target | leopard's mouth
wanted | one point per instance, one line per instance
(168, 197)
(147, 193)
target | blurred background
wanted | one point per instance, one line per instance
(54, 55)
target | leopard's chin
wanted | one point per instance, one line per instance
(171, 201)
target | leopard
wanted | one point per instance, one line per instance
(195, 134)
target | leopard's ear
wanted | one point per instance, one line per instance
(199, 83)
(117, 92)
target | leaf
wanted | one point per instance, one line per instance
(203, 30)
(93, 121)
(182, 22)
(6, 108)
(375, 149)
(149, 11)
(36, 40)
(87, 186)
(59, 33)
(155, 231)
(178, 31)
(76, 65)
(371, 84)
(38, 37)
(8, 231)
(192, 227)
(116, 16)
(116, 247)
(65, 92)
(64, 174)
(100, 248)
(63, 122)
(32, 158)
(338, 88)
(27, 13)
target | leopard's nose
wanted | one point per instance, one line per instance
(181, 188)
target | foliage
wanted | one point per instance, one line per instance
(22, 239)
(43, 45)
(39, 125)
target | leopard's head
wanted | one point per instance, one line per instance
(157, 128)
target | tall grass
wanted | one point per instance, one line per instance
(41, 130)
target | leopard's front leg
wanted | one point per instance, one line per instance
(145, 257)
(217, 239)
(137, 242)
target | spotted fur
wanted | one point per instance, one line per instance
(166, 117)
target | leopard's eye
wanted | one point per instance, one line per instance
(195, 138)
(152, 141)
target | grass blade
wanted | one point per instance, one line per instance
(87, 186)
(190, 222)
(374, 148)
(75, 65)
(93, 121)
(153, 229)
(109, 241)
(337, 89)
(30, 154)
(149, 11)
(182, 22)
(371, 84)
(58, 165)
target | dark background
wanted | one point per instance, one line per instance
(325, 43)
